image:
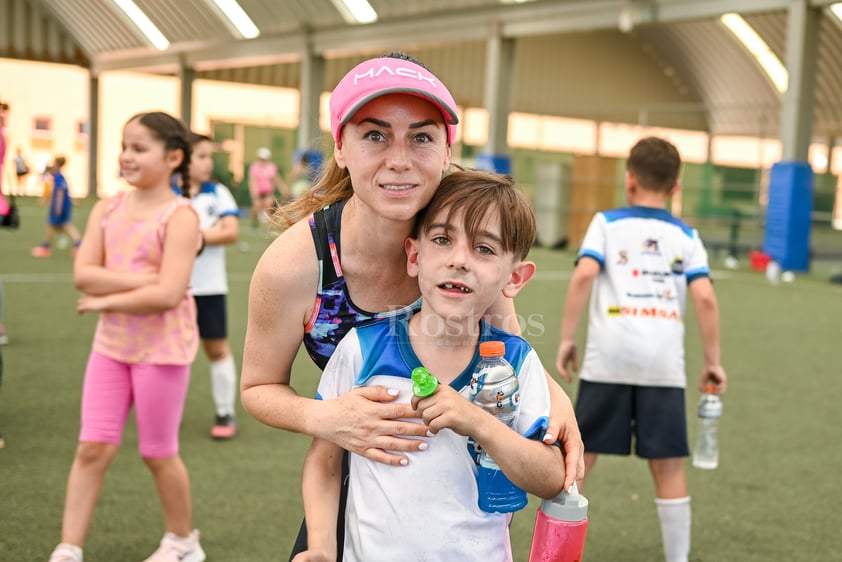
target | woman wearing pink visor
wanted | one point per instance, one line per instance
(342, 263)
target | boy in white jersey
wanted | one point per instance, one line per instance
(219, 222)
(471, 244)
(637, 264)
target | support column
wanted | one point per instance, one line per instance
(499, 70)
(93, 135)
(801, 53)
(312, 86)
(791, 183)
(308, 157)
(186, 75)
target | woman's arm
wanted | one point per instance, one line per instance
(89, 273)
(562, 425)
(180, 243)
(281, 298)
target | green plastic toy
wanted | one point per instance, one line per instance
(423, 383)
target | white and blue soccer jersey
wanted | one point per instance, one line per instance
(428, 509)
(213, 202)
(636, 328)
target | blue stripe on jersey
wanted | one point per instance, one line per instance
(386, 350)
(697, 273)
(588, 253)
(637, 212)
(537, 429)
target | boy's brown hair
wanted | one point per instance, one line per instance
(476, 193)
(59, 162)
(655, 164)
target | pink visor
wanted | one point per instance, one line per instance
(384, 75)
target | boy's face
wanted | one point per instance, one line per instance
(460, 277)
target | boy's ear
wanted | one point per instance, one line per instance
(631, 183)
(521, 275)
(411, 246)
(675, 189)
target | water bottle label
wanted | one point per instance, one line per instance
(495, 389)
(497, 494)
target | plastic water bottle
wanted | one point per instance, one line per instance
(494, 388)
(560, 528)
(706, 453)
(773, 272)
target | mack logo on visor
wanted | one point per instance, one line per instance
(407, 72)
(385, 75)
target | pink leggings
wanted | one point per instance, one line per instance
(157, 392)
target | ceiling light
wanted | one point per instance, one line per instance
(232, 10)
(771, 64)
(356, 11)
(836, 9)
(143, 23)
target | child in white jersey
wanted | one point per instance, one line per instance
(472, 240)
(637, 265)
(219, 221)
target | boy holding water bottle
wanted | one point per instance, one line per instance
(637, 264)
(470, 245)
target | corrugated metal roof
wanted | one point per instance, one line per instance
(688, 73)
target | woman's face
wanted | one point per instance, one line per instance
(395, 149)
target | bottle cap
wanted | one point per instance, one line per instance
(709, 388)
(567, 506)
(423, 383)
(492, 349)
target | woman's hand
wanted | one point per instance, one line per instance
(563, 427)
(367, 424)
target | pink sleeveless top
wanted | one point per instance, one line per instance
(132, 244)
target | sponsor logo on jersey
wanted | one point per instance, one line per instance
(678, 266)
(650, 246)
(644, 312)
(623, 257)
(655, 275)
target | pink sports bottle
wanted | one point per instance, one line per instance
(560, 528)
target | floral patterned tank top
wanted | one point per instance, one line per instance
(334, 314)
(135, 244)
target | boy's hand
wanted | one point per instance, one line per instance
(447, 409)
(567, 354)
(714, 375)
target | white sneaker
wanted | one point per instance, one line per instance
(66, 553)
(177, 549)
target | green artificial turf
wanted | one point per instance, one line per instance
(773, 496)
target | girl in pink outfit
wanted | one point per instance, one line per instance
(263, 179)
(133, 268)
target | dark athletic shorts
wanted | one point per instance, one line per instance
(610, 414)
(211, 317)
